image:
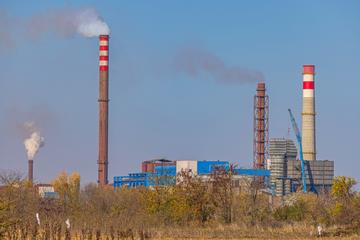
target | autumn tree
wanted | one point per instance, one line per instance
(342, 188)
(197, 196)
(346, 208)
(222, 193)
(5, 220)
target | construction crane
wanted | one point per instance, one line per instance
(298, 137)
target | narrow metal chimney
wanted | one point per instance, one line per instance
(308, 114)
(103, 109)
(31, 171)
(261, 125)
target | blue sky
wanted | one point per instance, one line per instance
(156, 112)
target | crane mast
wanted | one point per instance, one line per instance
(298, 138)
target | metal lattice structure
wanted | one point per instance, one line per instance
(261, 127)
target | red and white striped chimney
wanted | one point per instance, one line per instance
(308, 114)
(103, 109)
(104, 52)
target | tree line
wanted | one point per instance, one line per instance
(92, 212)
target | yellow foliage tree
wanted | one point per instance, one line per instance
(342, 188)
(60, 183)
(67, 186)
(74, 183)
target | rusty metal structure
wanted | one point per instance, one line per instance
(103, 109)
(31, 171)
(261, 126)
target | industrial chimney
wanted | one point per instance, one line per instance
(261, 126)
(103, 109)
(308, 114)
(31, 171)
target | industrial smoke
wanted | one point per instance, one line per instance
(90, 24)
(34, 142)
(66, 22)
(193, 61)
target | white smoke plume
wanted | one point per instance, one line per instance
(193, 61)
(90, 24)
(66, 22)
(34, 142)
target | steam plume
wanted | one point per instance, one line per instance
(63, 22)
(34, 142)
(193, 61)
(90, 24)
(66, 22)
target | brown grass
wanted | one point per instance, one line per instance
(235, 232)
(297, 231)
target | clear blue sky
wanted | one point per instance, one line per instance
(155, 112)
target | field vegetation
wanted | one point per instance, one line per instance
(192, 209)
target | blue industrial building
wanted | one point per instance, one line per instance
(166, 175)
(144, 179)
(207, 167)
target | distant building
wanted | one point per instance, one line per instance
(319, 175)
(46, 190)
(286, 170)
(168, 173)
(281, 151)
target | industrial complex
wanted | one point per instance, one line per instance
(277, 166)
(280, 165)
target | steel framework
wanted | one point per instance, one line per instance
(261, 127)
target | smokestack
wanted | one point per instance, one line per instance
(308, 114)
(32, 146)
(30, 171)
(261, 126)
(103, 109)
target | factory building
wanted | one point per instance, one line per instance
(281, 151)
(46, 191)
(319, 175)
(150, 165)
(169, 173)
(286, 170)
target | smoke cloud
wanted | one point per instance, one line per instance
(34, 142)
(193, 61)
(90, 24)
(66, 22)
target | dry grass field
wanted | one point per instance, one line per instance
(288, 232)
